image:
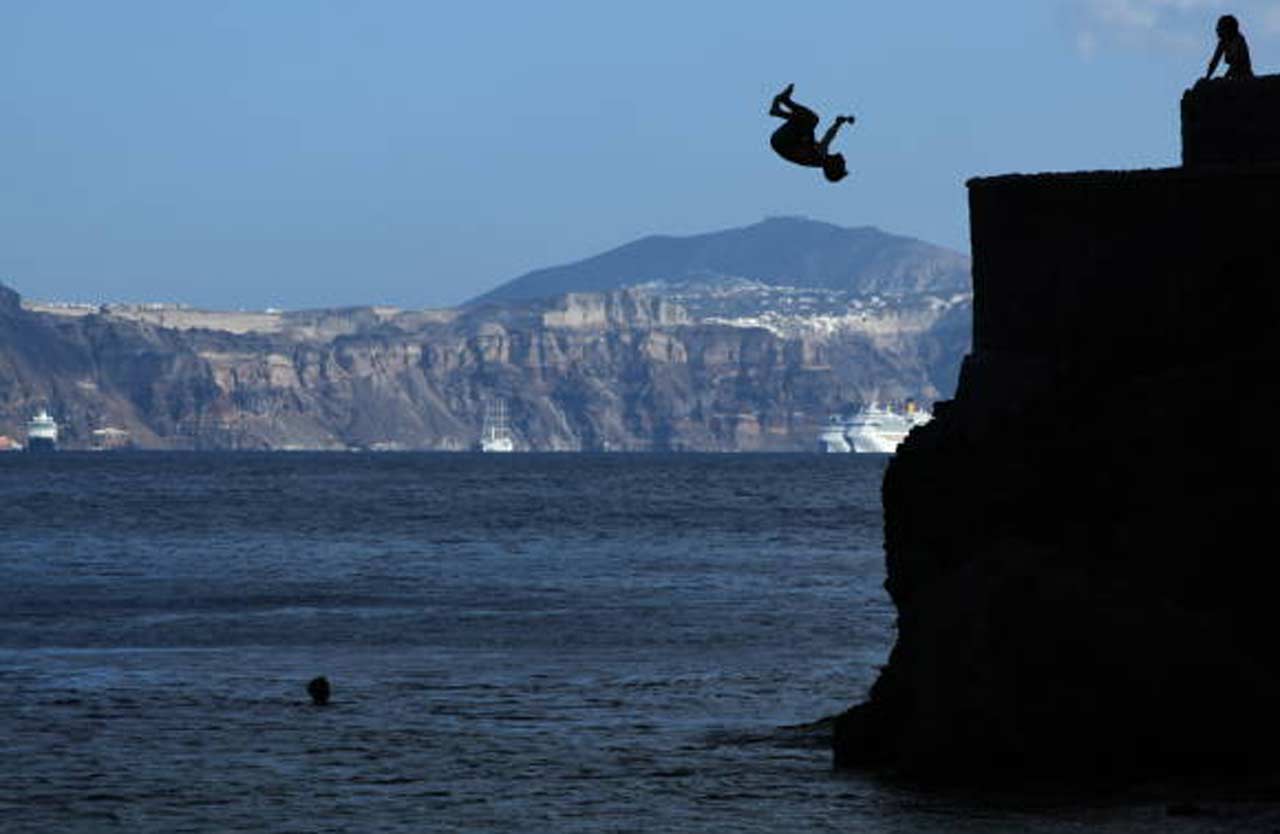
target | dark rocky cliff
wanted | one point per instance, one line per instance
(1080, 546)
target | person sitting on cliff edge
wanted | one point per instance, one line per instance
(795, 142)
(1232, 47)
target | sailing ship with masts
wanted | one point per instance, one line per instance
(496, 434)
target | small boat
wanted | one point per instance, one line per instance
(496, 435)
(42, 433)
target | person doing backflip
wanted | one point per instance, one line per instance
(1232, 47)
(795, 141)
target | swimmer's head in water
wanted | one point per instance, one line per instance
(833, 167)
(319, 690)
(1228, 26)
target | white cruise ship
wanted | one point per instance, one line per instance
(42, 433)
(873, 429)
(496, 435)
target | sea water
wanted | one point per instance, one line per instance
(516, 643)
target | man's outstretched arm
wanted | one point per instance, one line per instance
(831, 131)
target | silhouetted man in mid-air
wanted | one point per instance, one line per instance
(795, 142)
(1232, 47)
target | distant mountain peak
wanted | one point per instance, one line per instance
(793, 218)
(781, 251)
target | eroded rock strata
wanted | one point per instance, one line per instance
(1081, 545)
(617, 371)
(739, 340)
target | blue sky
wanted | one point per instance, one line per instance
(305, 153)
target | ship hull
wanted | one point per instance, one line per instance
(870, 444)
(874, 431)
(834, 442)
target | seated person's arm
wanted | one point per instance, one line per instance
(1217, 56)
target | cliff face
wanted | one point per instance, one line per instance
(618, 371)
(1077, 546)
(741, 340)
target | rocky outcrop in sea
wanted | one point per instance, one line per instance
(1080, 545)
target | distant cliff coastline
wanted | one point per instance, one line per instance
(1078, 546)
(753, 367)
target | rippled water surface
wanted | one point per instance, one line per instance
(516, 643)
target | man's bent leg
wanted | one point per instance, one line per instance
(803, 116)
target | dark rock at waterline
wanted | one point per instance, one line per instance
(1083, 564)
(1185, 809)
(319, 691)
